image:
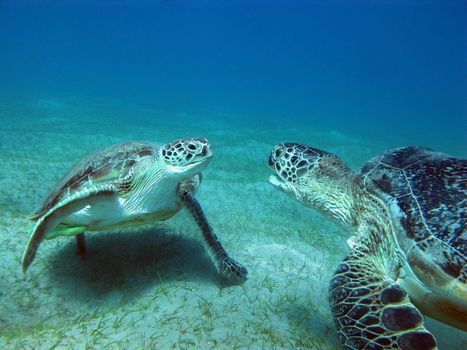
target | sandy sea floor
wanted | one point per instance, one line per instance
(155, 287)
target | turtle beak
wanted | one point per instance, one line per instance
(207, 151)
(274, 180)
(271, 163)
(207, 154)
(278, 183)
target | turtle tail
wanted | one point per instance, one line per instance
(370, 310)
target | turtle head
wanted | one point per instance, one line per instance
(296, 167)
(186, 157)
(316, 178)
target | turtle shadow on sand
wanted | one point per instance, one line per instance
(310, 326)
(129, 263)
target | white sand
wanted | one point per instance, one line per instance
(155, 287)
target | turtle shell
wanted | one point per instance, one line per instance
(106, 165)
(426, 194)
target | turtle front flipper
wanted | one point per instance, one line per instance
(370, 310)
(62, 209)
(225, 265)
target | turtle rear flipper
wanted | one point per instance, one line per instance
(372, 311)
(225, 265)
(64, 230)
(64, 208)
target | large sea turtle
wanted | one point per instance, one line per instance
(130, 184)
(407, 208)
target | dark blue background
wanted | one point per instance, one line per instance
(358, 65)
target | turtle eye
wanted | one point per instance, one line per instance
(301, 171)
(191, 147)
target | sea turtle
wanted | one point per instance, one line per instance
(408, 211)
(130, 184)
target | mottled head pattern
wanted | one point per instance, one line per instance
(314, 177)
(185, 151)
(292, 161)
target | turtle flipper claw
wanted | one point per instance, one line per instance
(226, 266)
(232, 270)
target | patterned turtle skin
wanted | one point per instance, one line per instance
(407, 209)
(130, 184)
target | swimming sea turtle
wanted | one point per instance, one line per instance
(408, 209)
(130, 184)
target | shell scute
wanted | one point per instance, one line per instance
(107, 165)
(426, 193)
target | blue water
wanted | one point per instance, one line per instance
(351, 77)
(369, 67)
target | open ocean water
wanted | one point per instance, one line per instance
(352, 77)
